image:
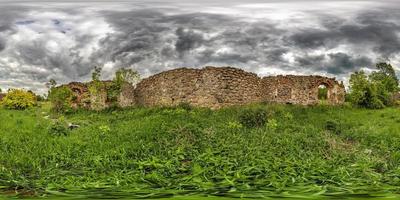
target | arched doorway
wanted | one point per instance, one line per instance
(322, 92)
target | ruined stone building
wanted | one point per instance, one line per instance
(217, 87)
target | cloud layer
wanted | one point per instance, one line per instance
(65, 41)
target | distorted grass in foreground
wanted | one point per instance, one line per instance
(164, 152)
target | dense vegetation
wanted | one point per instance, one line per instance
(376, 89)
(19, 99)
(252, 151)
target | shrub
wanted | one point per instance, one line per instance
(252, 118)
(61, 99)
(374, 90)
(58, 128)
(19, 99)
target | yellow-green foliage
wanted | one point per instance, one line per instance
(61, 98)
(19, 99)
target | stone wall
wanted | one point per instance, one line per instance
(225, 86)
(81, 94)
(217, 87)
(127, 97)
(208, 87)
(83, 98)
(301, 89)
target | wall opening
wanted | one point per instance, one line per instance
(322, 92)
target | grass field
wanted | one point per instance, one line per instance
(172, 152)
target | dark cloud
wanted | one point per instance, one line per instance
(370, 30)
(2, 44)
(310, 60)
(187, 40)
(314, 38)
(342, 63)
(382, 36)
(153, 37)
(152, 41)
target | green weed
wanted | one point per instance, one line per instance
(253, 151)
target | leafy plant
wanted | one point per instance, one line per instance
(235, 125)
(58, 128)
(374, 91)
(104, 129)
(61, 99)
(124, 75)
(19, 99)
(272, 124)
(252, 118)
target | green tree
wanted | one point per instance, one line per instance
(375, 90)
(96, 73)
(126, 75)
(52, 83)
(122, 76)
(386, 81)
(61, 98)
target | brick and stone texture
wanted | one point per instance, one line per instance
(208, 87)
(301, 89)
(127, 97)
(80, 92)
(226, 86)
(216, 87)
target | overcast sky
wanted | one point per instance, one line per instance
(64, 40)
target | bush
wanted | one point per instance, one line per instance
(61, 99)
(19, 99)
(58, 128)
(374, 90)
(252, 118)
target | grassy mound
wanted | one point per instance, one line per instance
(290, 150)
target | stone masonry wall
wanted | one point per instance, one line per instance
(301, 89)
(209, 87)
(217, 87)
(225, 86)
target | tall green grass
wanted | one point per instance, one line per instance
(315, 151)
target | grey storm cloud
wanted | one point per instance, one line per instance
(2, 44)
(341, 62)
(66, 42)
(369, 29)
(187, 40)
(155, 41)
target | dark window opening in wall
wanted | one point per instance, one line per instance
(322, 92)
